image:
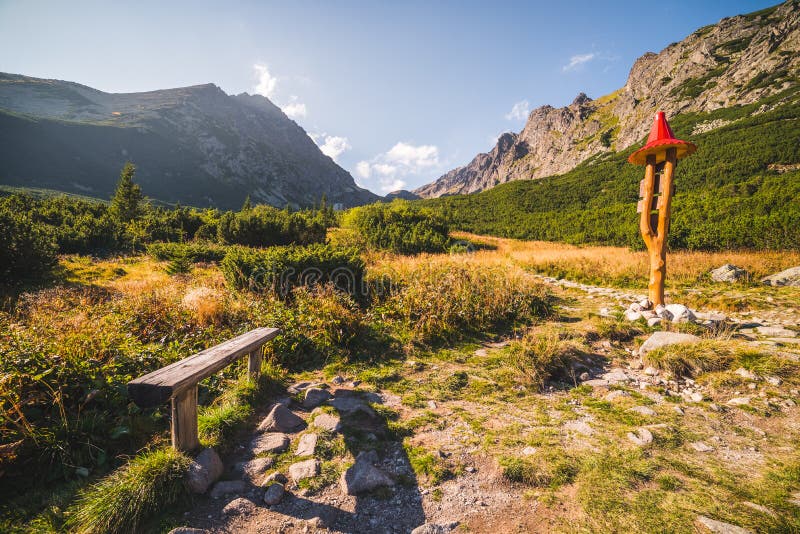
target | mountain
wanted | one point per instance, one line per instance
(194, 145)
(738, 61)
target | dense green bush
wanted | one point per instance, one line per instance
(400, 227)
(27, 248)
(196, 251)
(281, 269)
(265, 226)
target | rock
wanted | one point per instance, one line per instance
(349, 405)
(635, 308)
(631, 315)
(775, 331)
(238, 506)
(663, 339)
(699, 446)
(789, 277)
(760, 508)
(254, 470)
(434, 528)
(774, 380)
(720, 527)
(678, 410)
(604, 312)
(696, 397)
(615, 375)
(649, 314)
(662, 312)
(187, 530)
(642, 437)
(204, 470)
(636, 364)
(306, 445)
(584, 377)
(431, 404)
(580, 426)
(277, 476)
(481, 353)
(337, 380)
(274, 494)
(617, 393)
(227, 487)
(650, 371)
(643, 410)
(596, 383)
(681, 314)
(269, 442)
(363, 476)
(314, 397)
(739, 401)
(281, 419)
(645, 304)
(529, 451)
(305, 469)
(326, 421)
(744, 373)
(728, 273)
(300, 387)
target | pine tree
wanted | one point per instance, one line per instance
(247, 206)
(126, 205)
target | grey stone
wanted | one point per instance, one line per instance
(337, 380)
(650, 371)
(326, 421)
(775, 331)
(204, 470)
(744, 373)
(274, 494)
(580, 426)
(681, 314)
(305, 469)
(617, 393)
(739, 401)
(281, 419)
(642, 437)
(584, 377)
(306, 445)
(615, 375)
(789, 277)
(238, 506)
(269, 442)
(314, 397)
(663, 339)
(632, 315)
(643, 410)
(699, 446)
(432, 528)
(274, 477)
(254, 470)
(728, 273)
(349, 405)
(227, 487)
(529, 451)
(363, 476)
(720, 527)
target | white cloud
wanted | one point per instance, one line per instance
(403, 159)
(331, 145)
(519, 111)
(266, 81)
(578, 60)
(295, 109)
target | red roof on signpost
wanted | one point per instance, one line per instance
(660, 139)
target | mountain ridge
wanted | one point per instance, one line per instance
(194, 145)
(737, 61)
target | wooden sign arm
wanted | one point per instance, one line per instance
(666, 196)
(644, 220)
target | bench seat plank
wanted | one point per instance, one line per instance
(156, 388)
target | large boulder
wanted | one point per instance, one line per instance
(728, 273)
(281, 419)
(363, 476)
(681, 314)
(204, 470)
(663, 339)
(789, 277)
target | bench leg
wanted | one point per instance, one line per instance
(184, 421)
(254, 364)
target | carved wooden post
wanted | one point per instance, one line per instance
(184, 420)
(660, 157)
(254, 364)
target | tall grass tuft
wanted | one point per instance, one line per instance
(540, 356)
(124, 499)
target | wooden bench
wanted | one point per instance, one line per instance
(177, 382)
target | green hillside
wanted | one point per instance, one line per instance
(735, 192)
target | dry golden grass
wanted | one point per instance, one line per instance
(622, 266)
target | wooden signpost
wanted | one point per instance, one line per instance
(660, 157)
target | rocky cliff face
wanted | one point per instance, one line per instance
(195, 145)
(736, 61)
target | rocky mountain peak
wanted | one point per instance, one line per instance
(737, 61)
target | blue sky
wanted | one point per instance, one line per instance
(397, 92)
